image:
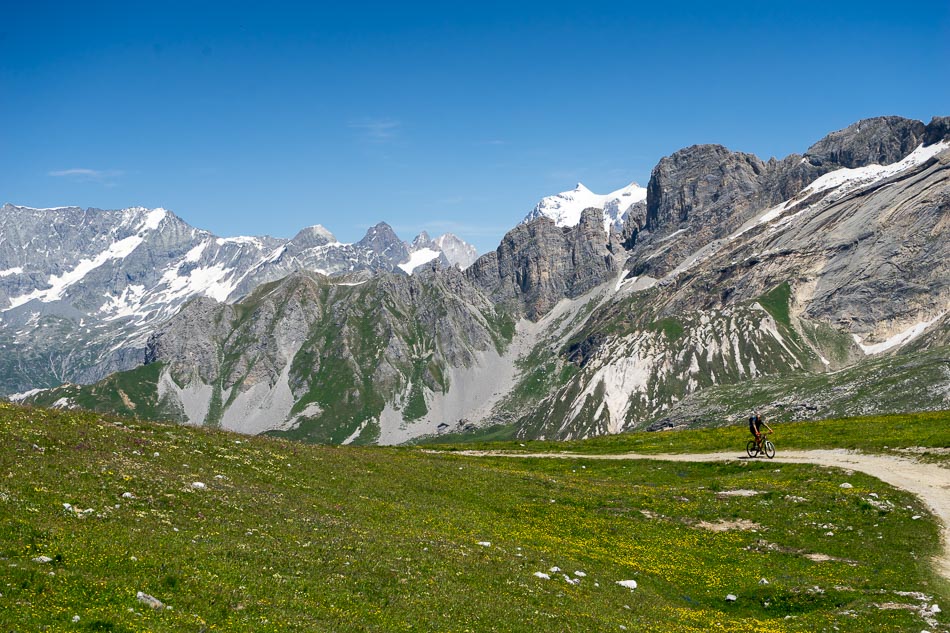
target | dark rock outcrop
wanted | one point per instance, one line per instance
(881, 140)
(539, 263)
(937, 130)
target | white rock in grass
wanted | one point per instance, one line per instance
(42, 559)
(629, 584)
(554, 569)
(484, 543)
(571, 581)
(731, 597)
(197, 485)
(846, 485)
(915, 517)
(542, 575)
(763, 581)
(829, 533)
(149, 601)
(128, 495)
(935, 608)
(75, 618)
(579, 574)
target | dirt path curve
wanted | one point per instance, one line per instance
(930, 482)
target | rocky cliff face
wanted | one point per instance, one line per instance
(539, 263)
(878, 141)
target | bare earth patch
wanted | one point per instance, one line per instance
(738, 493)
(724, 526)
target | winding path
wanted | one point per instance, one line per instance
(930, 482)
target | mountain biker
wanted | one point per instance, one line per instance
(755, 426)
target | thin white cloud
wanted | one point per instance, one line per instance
(106, 177)
(376, 130)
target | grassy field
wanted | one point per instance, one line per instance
(928, 432)
(291, 537)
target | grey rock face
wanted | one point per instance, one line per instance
(937, 130)
(706, 178)
(706, 192)
(457, 251)
(539, 263)
(881, 140)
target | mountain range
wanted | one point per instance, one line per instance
(808, 286)
(81, 289)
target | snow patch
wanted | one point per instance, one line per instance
(194, 254)
(852, 178)
(898, 339)
(209, 281)
(418, 258)
(16, 270)
(154, 218)
(566, 207)
(241, 240)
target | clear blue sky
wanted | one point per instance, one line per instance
(254, 118)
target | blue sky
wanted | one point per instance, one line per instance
(254, 118)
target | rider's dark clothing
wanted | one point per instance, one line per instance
(755, 425)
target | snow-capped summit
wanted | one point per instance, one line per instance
(566, 207)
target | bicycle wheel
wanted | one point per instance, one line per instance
(752, 449)
(769, 449)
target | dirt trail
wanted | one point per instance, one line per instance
(930, 482)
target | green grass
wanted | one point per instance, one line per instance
(294, 537)
(776, 303)
(670, 327)
(872, 434)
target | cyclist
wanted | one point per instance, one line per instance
(755, 427)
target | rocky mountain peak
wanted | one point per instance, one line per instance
(565, 208)
(879, 140)
(312, 236)
(422, 241)
(456, 251)
(692, 178)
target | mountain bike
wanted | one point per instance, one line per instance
(763, 446)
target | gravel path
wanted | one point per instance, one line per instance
(930, 482)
